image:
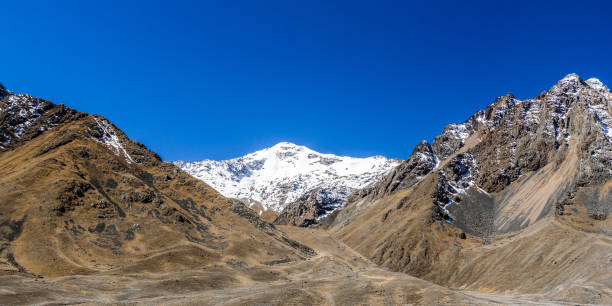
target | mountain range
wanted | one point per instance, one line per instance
(272, 178)
(511, 206)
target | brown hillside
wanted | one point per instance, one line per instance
(79, 197)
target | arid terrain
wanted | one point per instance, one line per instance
(337, 275)
(510, 207)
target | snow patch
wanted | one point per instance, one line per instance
(602, 117)
(532, 112)
(109, 137)
(29, 110)
(459, 131)
(458, 178)
(569, 85)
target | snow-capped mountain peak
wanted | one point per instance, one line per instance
(598, 86)
(280, 174)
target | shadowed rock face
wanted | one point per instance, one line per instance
(320, 204)
(3, 91)
(422, 160)
(23, 117)
(77, 196)
(309, 208)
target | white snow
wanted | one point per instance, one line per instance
(532, 113)
(598, 86)
(464, 183)
(459, 131)
(461, 184)
(603, 118)
(499, 111)
(436, 160)
(109, 137)
(602, 112)
(482, 190)
(481, 117)
(30, 110)
(281, 174)
(569, 85)
(602, 89)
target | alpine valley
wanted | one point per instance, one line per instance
(511, 206)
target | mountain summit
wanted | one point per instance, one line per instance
(283, 173)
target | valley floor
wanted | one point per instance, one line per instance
(337, 275)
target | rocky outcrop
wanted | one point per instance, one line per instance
(309, 208)
(23, 117)
(422, 161)
(454, 136)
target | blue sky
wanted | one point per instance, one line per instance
(218, 79)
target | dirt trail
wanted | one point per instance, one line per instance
(337, 275)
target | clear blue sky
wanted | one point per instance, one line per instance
(218, 79)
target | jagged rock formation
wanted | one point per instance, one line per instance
(511, 138)
(541, 164)
(309, 208)
(422, 160)
(23, 117)
(77, 196)
(286, 173)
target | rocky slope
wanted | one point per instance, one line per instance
(312, 206)
(77, 196)
(512, 179)
(509, 140)
(310, 209)
(286, 173)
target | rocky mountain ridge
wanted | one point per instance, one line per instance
(509, 138)
(515, 177)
